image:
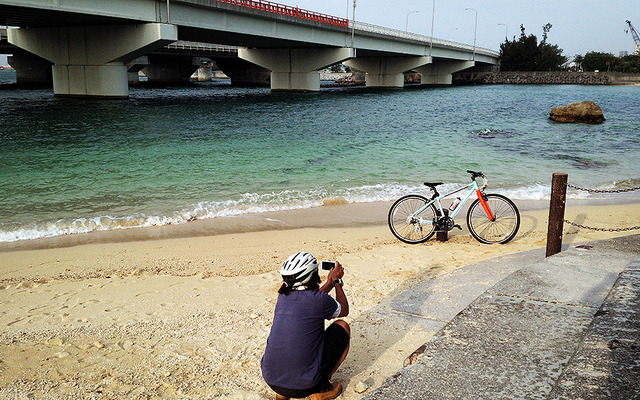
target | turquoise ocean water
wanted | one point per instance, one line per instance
(170, 155)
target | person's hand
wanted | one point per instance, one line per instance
(336, 272)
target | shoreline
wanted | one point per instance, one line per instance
(546, 78)
(243, 245)
(326, 216)
(339, 80)
(188, 317)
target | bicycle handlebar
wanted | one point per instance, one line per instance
(475, 174)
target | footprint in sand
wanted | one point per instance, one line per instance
(149, 292)
(26, 285)
(37, 308)
(15, 321)
(125, 344)
(57, 295)
(70, 303)
(91, 301)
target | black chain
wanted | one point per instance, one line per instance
(602, 229)
(603, 191)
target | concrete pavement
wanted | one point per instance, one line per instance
(526, 327)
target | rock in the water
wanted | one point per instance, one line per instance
(587, 112)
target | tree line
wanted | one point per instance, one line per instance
(598, 61)
(526, 54)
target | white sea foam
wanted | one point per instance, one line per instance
(83, 225)
(268, 202)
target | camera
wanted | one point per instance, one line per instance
(327, 265)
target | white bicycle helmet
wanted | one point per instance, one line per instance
(298, 268)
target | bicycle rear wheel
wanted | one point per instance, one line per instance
(502, 229)
(405, 225)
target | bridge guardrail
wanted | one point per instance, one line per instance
(288, 10)
(363, 26)
(181, 45)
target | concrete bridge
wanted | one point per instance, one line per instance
(172, 64)
(89, 42)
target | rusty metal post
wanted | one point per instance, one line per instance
(556, 213)
(442, 236)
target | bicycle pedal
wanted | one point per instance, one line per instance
(457, 226)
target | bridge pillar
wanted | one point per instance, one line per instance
(205, 72)
(387, 71)
(295, 69)
(244, 73)
(440, 72)
(166, 69)
(89, 60)
(133, 67)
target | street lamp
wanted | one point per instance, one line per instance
(353, 23)
(506, 31)
(475, 30)
(406, 27)
(433, 16)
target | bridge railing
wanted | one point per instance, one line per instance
(288, 10)
(184, 45)
(363, 26)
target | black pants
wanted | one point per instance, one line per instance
(336, 341)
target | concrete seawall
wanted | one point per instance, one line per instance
(545, 78)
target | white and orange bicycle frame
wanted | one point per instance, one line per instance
(472, 187)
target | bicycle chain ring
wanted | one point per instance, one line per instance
(445, 224)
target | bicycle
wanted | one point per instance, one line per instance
(492, 218)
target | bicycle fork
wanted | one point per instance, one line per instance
(485, 205)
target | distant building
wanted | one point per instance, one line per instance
(572, 66)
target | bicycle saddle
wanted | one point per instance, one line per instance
(432, 184)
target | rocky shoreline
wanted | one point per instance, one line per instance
(503, 78)
(545, 78)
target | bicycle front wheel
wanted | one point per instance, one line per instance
(407, 226)
(504, 226)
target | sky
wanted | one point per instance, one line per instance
(579, 26)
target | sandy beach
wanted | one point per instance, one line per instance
(184, 311)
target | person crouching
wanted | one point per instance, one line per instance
(301, 356)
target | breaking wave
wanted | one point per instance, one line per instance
(250, 203)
